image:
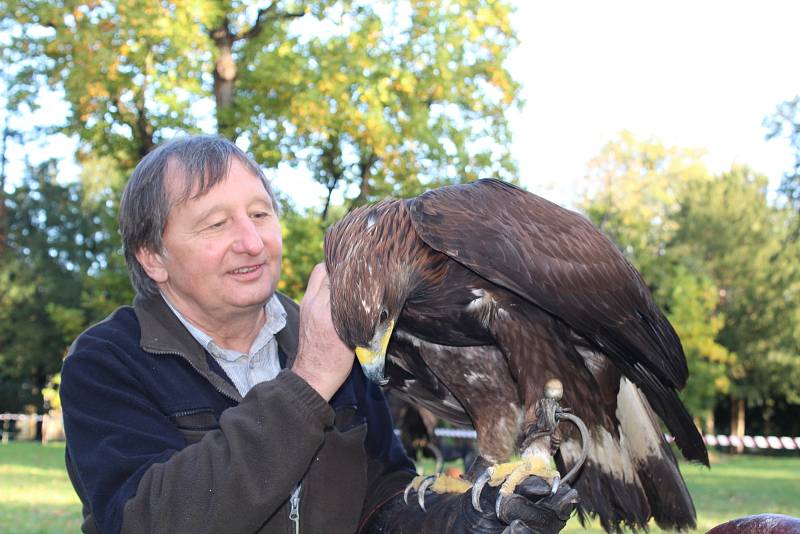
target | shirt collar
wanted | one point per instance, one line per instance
(276, 321)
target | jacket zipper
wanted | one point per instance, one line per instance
(294, 511)
(294, 500)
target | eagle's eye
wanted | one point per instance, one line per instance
(384, 316)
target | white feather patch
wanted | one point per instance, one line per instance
(595, 361)
(483, 306)
(473, 377)
(611, 456)
(642, 438)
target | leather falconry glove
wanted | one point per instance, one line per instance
(531, 509)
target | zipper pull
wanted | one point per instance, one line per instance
(294, 511)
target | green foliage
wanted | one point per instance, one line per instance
(303, 237)
(693, 301)
(374, 97)
(393, 96)
(634, 194)
(744, 244)
(720, 258)
(128, 72)
(55, 241)
(633, 191)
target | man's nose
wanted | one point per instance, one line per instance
(248, 239)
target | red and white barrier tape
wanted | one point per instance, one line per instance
(748, 442)
(754, 442)
(19, 417)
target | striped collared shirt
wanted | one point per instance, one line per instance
(261, 363)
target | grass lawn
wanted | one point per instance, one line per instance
(36, 496)
(35, 493)
(736, 486)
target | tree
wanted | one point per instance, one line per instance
(106, 286)
(634, 193)
(373, 97)
(305, 234)
(721, 260)
(692, 300)
(633, 190)
(55, 242)
(745, 246)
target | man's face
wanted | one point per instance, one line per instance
(222, 251)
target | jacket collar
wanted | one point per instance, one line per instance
(163, 333)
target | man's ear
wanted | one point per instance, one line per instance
(153, 264)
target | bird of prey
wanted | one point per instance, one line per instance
(469, 298)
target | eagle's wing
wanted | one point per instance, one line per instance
(413, 380)
(561, 262)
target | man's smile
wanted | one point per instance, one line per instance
(247, 271)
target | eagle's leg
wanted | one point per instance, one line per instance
(537, 449)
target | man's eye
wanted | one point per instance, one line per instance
(217, 225)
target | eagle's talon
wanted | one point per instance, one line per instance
(477, 488)
(413, 485)
(423, 486)
(498, 503)
(408, 489)
(556, 484)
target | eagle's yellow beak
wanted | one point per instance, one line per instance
(373, 358)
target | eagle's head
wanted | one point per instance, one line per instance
(367, 256)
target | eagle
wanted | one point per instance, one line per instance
(470, 299)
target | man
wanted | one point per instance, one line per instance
(214, 404)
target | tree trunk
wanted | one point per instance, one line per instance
(224, 76)
(738, 407)
(325, 208)
(143, 126)
(364, 170)
(710, 424)
(3, 226)
(331, 162)
(225, 65)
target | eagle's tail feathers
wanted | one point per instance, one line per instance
(669, 407)
(670, 502)
(631, 473)
(608, 487)
(664, 400)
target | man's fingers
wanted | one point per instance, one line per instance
(315, 281)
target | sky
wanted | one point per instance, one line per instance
(699, 74)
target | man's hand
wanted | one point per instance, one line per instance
(530, 510)
(322, 359)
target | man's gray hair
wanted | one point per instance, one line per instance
(202, 162)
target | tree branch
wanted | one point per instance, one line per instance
(364, 168)
(264, 15)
